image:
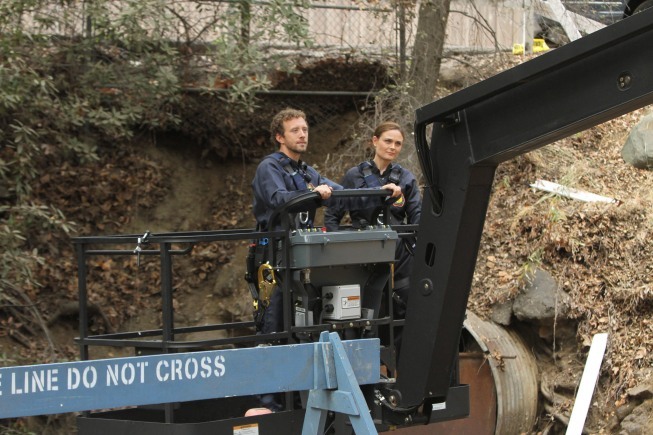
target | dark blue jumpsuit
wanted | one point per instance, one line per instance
(274, 184)
(406, 210)
(279, 179)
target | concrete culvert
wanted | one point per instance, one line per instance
(502, 374)
(514, 373)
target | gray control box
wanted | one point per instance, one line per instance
(316, 248)
(341, 302)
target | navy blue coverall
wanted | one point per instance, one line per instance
(406, 210)
(274, 184)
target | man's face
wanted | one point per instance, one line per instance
(295, 137)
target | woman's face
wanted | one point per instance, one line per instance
(388, 146)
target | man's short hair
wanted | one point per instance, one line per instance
(276, 126)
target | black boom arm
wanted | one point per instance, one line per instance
(594, 79)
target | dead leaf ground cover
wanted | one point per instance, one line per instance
(600, 254)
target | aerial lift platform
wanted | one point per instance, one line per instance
(460, 139)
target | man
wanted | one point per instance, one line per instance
(282, 176)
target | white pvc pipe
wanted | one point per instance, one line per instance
(587, 384)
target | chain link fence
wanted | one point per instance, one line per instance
(336, 34)
(358, 32)
(376, 29)
(368, 29)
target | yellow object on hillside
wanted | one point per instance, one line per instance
(539, 45)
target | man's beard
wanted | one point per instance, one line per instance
(297, 149)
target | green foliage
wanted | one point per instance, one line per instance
(19, 258)
(533, 262)
(242, 58)
(15, 428)
(78, 79)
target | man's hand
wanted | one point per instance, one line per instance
(396, 190)
(324, 191)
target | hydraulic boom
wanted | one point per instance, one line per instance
(572, 88)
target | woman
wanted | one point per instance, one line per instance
(382, 170)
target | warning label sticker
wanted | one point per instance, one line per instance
(350, 302)
(246, 429)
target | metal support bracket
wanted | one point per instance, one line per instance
(343, 394)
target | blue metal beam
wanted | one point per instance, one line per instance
(179, 377)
